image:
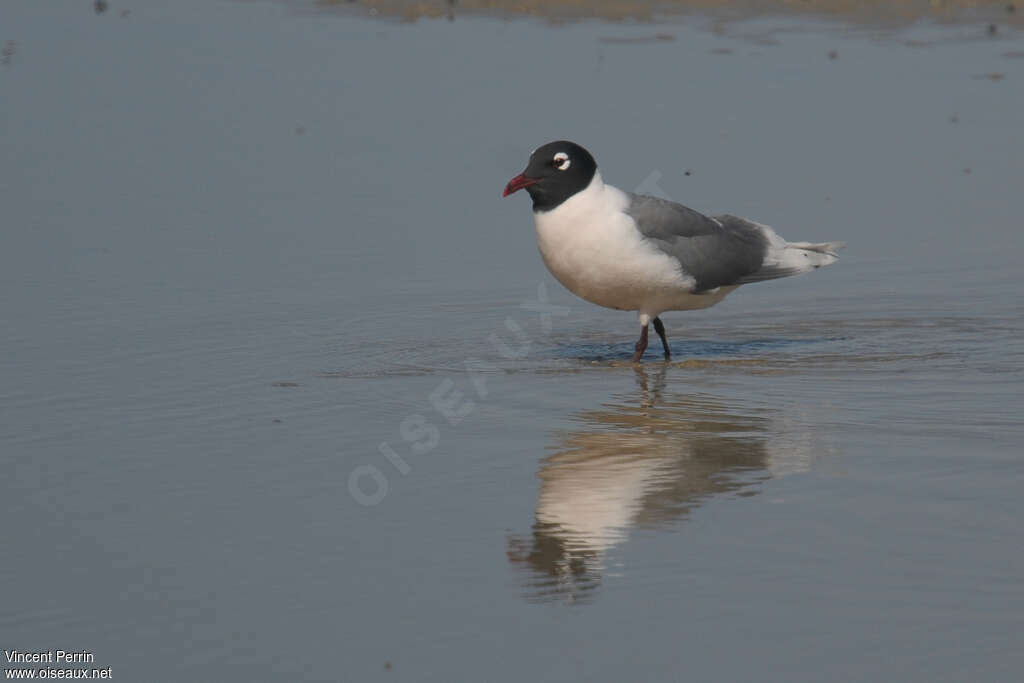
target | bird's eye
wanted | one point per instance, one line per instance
(561, 161)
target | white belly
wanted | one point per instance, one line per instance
(593, 249)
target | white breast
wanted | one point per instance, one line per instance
(595, 250)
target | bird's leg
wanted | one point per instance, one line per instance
(660, 329)
(641, 345)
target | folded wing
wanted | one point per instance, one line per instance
(724, 250)
(714, 251)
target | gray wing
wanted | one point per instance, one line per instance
(719, 251)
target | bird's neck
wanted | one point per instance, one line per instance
(544, 202)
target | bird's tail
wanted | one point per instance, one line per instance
(827, 248)
(792, 258)
(810, 255)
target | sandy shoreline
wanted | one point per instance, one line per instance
(1005, 14)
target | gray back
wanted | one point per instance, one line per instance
(715, 252)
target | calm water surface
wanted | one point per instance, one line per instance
(288, 394)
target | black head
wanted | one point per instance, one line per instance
(556, 171)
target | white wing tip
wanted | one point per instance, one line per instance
(829, 248)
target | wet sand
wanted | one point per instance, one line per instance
(889, 14)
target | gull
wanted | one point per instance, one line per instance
(634, 252)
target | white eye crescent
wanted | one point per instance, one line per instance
(561, 161)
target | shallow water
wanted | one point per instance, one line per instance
(289, 394)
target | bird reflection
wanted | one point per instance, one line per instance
(640, 464)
